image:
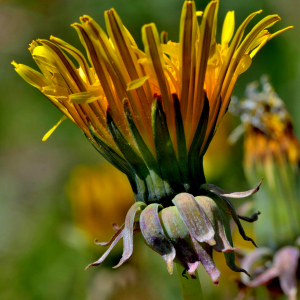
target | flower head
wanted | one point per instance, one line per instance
(272, 151)
(94, 199)
(268, 127)
(153, 114)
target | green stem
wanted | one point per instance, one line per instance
(190, 288)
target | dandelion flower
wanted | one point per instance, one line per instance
(153, 114)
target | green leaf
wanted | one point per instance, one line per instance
(213, 128)
(231, 210)
(143, 179)
(164, 150)
(182, 156)
(230, 256)
(195, 160)
(109, 154)
(149, 159)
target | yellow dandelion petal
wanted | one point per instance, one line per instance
(244, 64)
(85, 97)
(47, 135)
(137, 83)
(77, 55)
(195, 107)
(187, 59)
(55, 90)
(30, 75)
(153, 50)
(170, 50)
(228, 28)
(280, 31)
(263, 41)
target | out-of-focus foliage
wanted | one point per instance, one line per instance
(42, 254)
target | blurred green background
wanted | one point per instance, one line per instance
(44, 241)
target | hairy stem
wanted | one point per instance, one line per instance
(190, 288)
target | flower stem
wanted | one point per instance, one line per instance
(190, 288)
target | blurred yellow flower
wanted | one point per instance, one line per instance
(100, 196)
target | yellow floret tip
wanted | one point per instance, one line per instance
(15, 64)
